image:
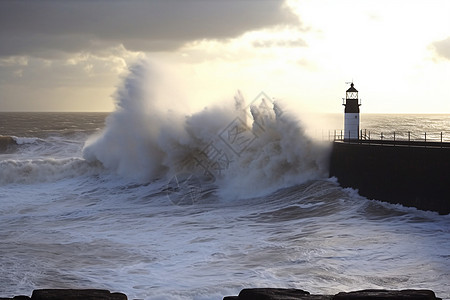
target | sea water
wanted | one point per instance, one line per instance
(161, 205)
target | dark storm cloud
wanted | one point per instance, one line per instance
(48, 28)
(442, 48)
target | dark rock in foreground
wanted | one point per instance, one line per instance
(386, 294)
(71, 294)
(245, 294)
(5, 143)
(274, 293)
(295, 294)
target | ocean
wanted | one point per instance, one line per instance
(163, 206)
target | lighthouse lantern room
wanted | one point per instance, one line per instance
(351, 122)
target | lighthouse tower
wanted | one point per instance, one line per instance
(351, 123)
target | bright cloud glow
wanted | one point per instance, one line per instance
(396, 52)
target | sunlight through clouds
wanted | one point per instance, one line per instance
(300, 50)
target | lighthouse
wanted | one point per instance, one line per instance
(351, 123)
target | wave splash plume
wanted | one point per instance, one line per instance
(254, 148)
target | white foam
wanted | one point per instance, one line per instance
(25, 140)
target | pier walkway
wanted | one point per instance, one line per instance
(439, 140)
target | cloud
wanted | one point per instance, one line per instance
(280, 43)
(52, 28)
(442, 48)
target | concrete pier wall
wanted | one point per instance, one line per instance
(415, 175)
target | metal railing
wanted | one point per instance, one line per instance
(392, 138)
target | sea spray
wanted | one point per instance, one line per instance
(247, 149)
(281, 154)
(128, 144)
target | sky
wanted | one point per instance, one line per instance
(71, 55)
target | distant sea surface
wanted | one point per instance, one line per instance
(201, 207)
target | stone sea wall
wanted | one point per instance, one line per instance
(414, 174)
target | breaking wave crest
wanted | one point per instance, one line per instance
(248, 149)
(25, 140)
(44, 170)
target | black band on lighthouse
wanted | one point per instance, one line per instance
(351, 106)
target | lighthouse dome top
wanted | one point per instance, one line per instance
(352, 89)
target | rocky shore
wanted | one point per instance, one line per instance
(296, 294)
(6, 142)
(245, 294)
(71, 294)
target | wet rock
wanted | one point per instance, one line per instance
(276, 294)
(295, 294)
(71, 294)
(387, 294)
(245, 294)
(5, 143)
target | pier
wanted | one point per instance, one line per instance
(398, 167)
(411, 173)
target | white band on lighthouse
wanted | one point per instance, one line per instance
(351, 126)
